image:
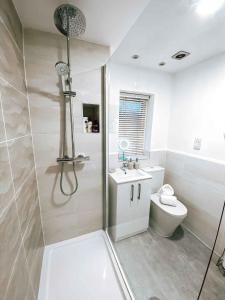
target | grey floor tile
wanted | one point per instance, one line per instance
(170, 269)
(214, 287)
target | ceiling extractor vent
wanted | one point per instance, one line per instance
(180, 55)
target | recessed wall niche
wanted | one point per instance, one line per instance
(91, 118)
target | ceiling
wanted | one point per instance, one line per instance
(108, 21)
(166, 27)
(153, 29)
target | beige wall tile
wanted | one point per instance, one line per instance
(43, 47)
(11, 61)
(10, 241)
(19, 286)
(90, 183)
(42, 51)
(6, 184)
(2, 129)
(69, 225)
(11, 20)
(27, 200)
(35, 267)
(15, 110)
(33, 243)
(92, 80)
(30, 294)
(47, 149)
(21, 158)
(66, 217)
(45, 119)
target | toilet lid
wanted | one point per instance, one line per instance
(179, 210)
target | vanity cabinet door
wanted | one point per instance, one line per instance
(126, 211)
(133, 204)
(143, 202)
(126, 202)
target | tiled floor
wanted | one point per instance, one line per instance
(169, 269)
(214, 287)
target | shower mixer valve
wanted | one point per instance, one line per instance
(69, 94)
(80, 158)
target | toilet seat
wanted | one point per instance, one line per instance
(179, 210)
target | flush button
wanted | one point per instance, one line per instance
(197, 144)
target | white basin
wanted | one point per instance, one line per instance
(119, 176)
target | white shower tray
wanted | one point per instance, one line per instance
(81, 268)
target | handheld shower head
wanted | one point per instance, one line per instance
(62, 68)
(69, 20)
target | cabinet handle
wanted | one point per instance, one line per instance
(132, 193)
(139, 191)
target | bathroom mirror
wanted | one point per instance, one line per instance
(165, 95)
(123, 148)
(123, 145)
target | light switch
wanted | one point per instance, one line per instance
(197, 144)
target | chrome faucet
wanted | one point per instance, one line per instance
(124, 167)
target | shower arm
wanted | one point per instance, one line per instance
(68, 55)
(68, 48)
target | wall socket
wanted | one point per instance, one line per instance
(197, 144)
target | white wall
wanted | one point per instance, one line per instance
(198, 107)
(123, 77)
(198, 176)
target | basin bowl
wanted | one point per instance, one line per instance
(121, 176)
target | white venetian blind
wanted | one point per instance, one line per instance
(132, 121)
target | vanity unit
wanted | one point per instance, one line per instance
(129, 203)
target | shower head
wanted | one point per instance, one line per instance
(62, 68)
(69, 20)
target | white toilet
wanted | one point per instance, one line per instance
(164, 219)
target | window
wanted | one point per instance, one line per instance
(132, 123)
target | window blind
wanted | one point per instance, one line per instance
(132, 121)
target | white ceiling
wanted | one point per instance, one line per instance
(154, 29)
(107, 20)
(167, 26)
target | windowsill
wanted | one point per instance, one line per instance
(140, 157)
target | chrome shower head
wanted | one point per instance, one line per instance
(69, 20)
(62, 68)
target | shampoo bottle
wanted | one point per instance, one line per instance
(130, 164)
(136, 164)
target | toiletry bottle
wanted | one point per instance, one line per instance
(130, 164)
(89, 127)
(95, 126)
(85, 123)
(136, 164)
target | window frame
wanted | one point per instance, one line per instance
(148, 122)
